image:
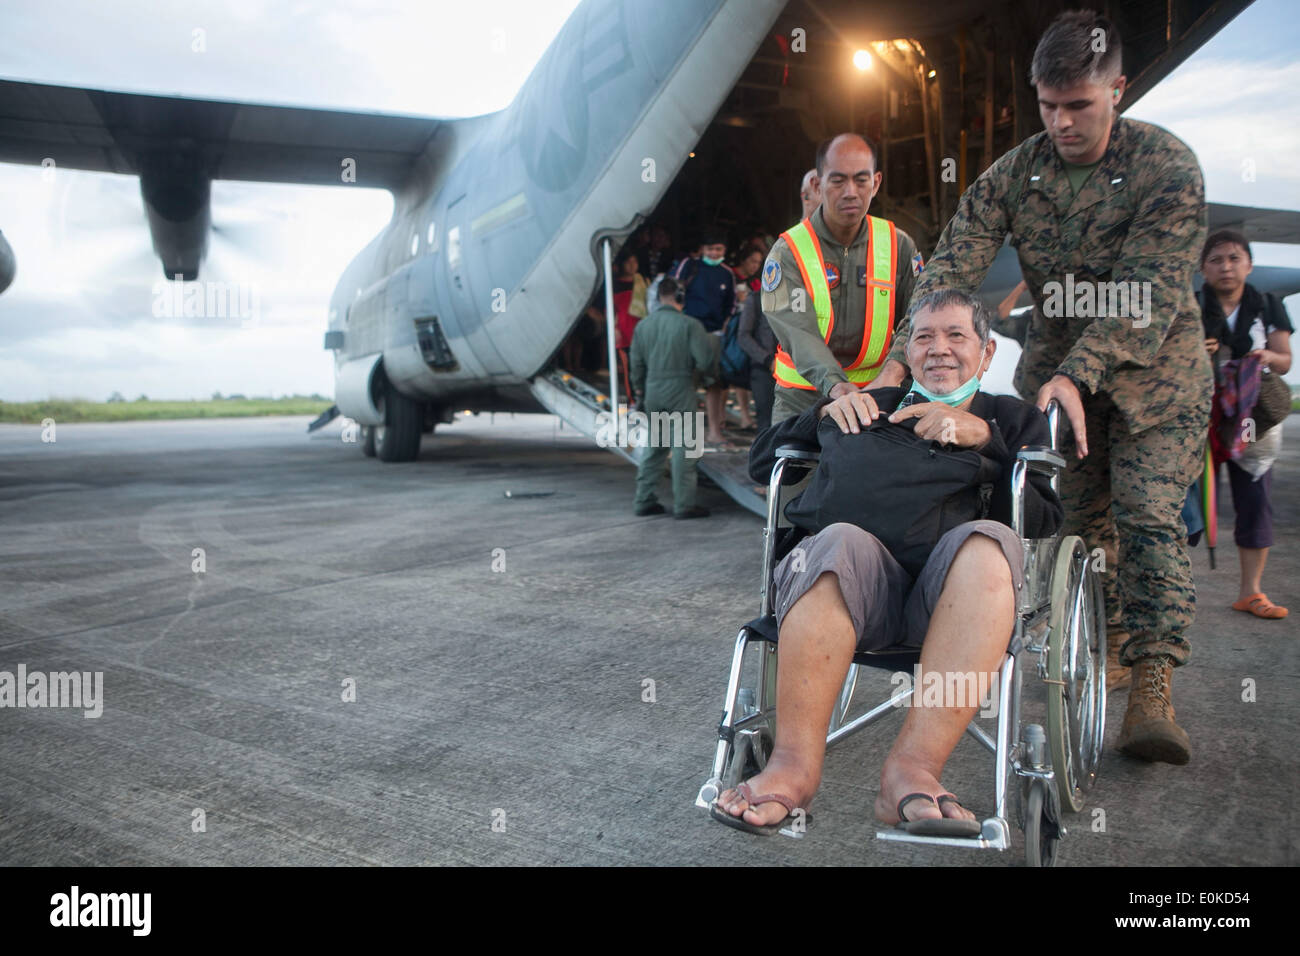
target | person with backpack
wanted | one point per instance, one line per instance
(874, 571)
(710, 296)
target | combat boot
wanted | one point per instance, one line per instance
(1117, 675)
(1149, 731)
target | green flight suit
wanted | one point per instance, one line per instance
(1145, 379)
(795, 323)
(670, 351)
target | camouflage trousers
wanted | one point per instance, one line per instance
(1126, 498)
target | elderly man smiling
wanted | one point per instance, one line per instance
(847, 591)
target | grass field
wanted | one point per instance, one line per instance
(80, 410)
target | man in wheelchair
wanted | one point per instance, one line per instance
(843, 590)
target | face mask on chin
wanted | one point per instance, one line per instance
(712, 262)
(953, 398)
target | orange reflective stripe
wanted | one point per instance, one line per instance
(786, 374)
(878, 326)
(802, 241)
(821, 266)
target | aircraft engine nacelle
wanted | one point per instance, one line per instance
(8, 264)
(356, 386)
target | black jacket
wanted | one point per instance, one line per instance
(1015, 425)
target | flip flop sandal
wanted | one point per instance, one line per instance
(943, 826)
(740, 823)
(1260, 606)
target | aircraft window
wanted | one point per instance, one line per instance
(433, 231)
(453, 247)
(415, 243)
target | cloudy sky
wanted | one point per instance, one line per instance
(78, 320)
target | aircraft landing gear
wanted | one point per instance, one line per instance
(398, 438)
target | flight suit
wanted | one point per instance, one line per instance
(796, 328)
(1145, 379)
(670, 350)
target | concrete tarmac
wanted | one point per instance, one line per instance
(399, 664)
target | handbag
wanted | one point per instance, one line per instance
(1273, 404)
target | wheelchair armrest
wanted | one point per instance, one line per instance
(801, 451)
(1041, 459)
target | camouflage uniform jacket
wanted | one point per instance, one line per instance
(796, 328)
(1138, 218)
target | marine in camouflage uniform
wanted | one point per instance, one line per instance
(1145, 382)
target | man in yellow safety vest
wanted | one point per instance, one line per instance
(836, 284)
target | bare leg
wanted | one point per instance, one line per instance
(742, 399)
(1252, 571)
(968, 632)
(817, 643)
(713, 404)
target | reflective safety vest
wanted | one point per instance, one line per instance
(878, 323)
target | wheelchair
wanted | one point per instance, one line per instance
(1046, 768)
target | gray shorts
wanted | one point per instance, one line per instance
(888, 608)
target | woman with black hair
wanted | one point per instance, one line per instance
(1241, 321)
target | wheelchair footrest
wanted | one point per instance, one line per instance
(994, 835)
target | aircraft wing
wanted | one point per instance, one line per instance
(177, 146)
(1259, 225)
(117, 132)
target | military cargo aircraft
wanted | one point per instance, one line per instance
(695, 112)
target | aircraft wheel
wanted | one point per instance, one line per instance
(367, 441)
(398, 438)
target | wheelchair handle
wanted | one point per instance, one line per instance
(800, 452)
(1041, 459)
(1054, 423)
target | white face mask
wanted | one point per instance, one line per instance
(953, 398)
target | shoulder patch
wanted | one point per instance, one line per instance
(771, 275)
(918, 264)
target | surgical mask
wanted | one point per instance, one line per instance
(712, 262)
(953, 398)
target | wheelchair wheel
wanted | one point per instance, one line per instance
(1042, 832)
(1076, 674)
